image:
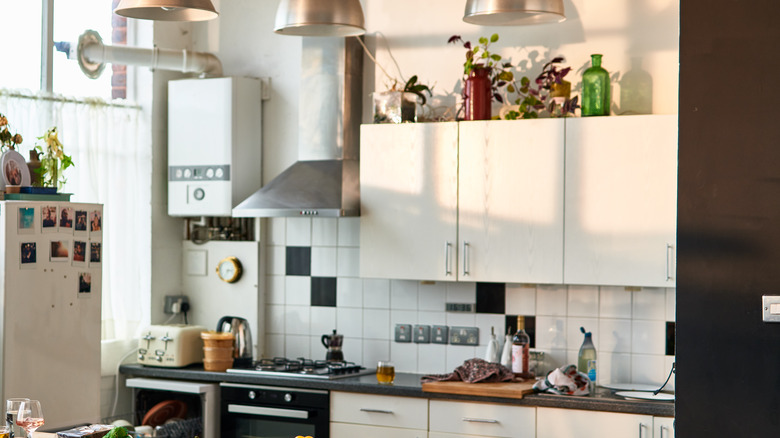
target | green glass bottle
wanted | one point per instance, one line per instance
(595, 89)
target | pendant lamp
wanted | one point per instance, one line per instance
(337, 18)
(167, 10)
(513, 12)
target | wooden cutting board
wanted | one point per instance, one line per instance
(497, 389)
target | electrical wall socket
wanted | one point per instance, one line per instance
(171, 299)
(422, 334)
(464, 335)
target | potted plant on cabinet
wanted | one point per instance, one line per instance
(551, 97)
(400, 105)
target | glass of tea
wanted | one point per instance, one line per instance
(385, 372)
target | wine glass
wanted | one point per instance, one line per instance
(30, 416)
(11, 408)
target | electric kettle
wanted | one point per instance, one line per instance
(242, 339)
(333, 344)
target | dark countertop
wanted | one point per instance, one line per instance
(408, 385)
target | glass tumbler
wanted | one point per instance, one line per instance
(385, 372)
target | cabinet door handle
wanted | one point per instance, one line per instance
(447, 252)
(480, 420)
(466, 261)
(641, 426)
(669, 262)
(375, 411)
(662, 431)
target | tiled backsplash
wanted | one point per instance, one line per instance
(313, 286)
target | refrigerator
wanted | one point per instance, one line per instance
(50, 289)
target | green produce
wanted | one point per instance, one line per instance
(117, 432)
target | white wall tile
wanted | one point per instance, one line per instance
(455, 319)
(349, 231)
(297, 346)
(375, 350)
(376, 324)
(671, 304)
(484, 321)
(551, 300)
(462, 293)
(276, 260)
(403, 294)
(349, 292)
(583, 301)
(376, 293)
(431, 359)
(648, 337)
(349, 322)
(432, 297)
(277, 231)
(353, 351)
(551, 333)
(401, 317)
(649, 303)
(299, 231)
(318, 351)
(647, 368)
(432, 318)
(297, 290)
(323, 261)
(574, 336)
(296, 320)
(274, 346)
(614, 336)
(556, 358)
(323, 321)
(614, 302)
(275, 290)
(457, 354)
(348, 262)
(274, 319)
(520, 300)
(324, 231)
(613, 368)
(404, 357)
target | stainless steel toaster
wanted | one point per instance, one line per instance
(171, 345)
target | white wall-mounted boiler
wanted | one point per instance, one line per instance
(214, 144)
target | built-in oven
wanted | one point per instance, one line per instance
(272, 411)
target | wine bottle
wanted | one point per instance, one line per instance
(521, 343)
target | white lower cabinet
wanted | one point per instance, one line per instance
(571, 423)
(465, 419)
(377, 416)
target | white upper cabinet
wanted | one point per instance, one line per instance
(409, 196)
(621, 201)
(510, 201)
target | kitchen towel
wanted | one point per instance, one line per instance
(473, 371)
(565, 380)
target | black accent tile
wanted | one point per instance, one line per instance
(323, 291)
(530, 327)
(298, 260)
(671, 328)
(491, 297)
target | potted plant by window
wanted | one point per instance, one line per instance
(484, 74)
(53, 160)
(551, 96)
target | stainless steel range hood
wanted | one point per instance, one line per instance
(325, 180)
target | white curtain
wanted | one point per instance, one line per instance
(110, 144)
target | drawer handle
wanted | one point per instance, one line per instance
(375, 411)
(480, 420)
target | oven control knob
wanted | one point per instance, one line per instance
(252, 395)
(288, 397)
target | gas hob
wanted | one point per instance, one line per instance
(303, 368)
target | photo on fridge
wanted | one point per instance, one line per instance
(81, 221)
(95, 255)
(49, 218)
(59, 251)
(66, 219)
(79, 253)
(29, 257)
(85, 284)
(26, 220)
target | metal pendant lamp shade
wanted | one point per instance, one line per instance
(513, 12)
(337, 18)
(167, 10)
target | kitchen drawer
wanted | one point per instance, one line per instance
(345, 430)
(379, 410)
(485, 419)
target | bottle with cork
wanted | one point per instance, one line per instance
(521, 344)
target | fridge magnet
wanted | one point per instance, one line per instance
(95, 221)
(66, 219)
(95, 255)
(85, 284)
(81, 221)
(79, 253)
(49, 218)
(15, 171)
(59, 251)
(26, 220)
(29, 256)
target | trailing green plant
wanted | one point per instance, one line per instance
(480, 56)
(412, 86)
(532, 100)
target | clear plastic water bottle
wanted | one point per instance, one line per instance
(586, 360)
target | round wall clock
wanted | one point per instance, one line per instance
(229, 269)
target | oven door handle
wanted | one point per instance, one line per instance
(271, 412)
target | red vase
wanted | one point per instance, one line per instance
(477, 99)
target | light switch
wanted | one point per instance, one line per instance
(403, 333)
(422, 334)
(771, 308)
(440, 334)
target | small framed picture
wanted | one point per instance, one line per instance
(95, 221)
(26, 220)
(81, 221)
(29, 256)
(95, 256)
(85, 284)
(49, 218)
(66, 219)
(59, 251)
(79, 252)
